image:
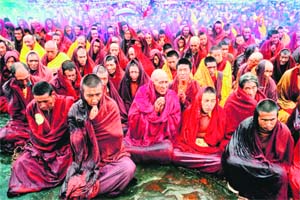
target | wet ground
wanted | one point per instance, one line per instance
(152, 182)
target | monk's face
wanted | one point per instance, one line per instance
(114, 49)
(247, 33)
(131, 53)
(9, 62)
(180, 43)
(57, 39)
(70, 75)
(18, 35)
(103, 77)
(96, 47)
(217, 54)
(111, 66)
(22, 76)
(186, 31)
(82, 57)
(93, 95)
(250, 88)
(33, 61)
(212, 68)
(45, 102)
(275, 38)
(183, 72)
(268, 70)
(2, 49)
(208, 102)
(203, 40)
(171, 62)
(194, 46)
(156, 60)
(161, 84)
(148, 38)
(94, 34)
(134, 72)
(283, 59)
(267, 120)
(29, 41)
(225, 50)
(51, 51)
(81, 42)
(240, 40)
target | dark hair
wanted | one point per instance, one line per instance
(68, 65)
(80, 26)
(167, 46)
(223, 42)
(248, 77)
(285, 52)
(42, 88)
(273, 32)
(111, 58)
(90, 80)
(249, 50)
(209, 59)
(209, 89)
(17, 65)
(265, 105)
(184, 61)
(173, 53)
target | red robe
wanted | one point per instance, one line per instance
(187, 152)
(295, 173)
(43, 72)
(89, 66)
(99, 158)
(266, 49)
(99, 57)
(238, 107)
(49, 154)
(144, 60)
(16, 132)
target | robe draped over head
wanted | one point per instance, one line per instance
(125, 85)
(266, 49)
(65, 42)
(116, 78)
(87, 68)
(145, 126)
(156, 52)
(279, 70)
(43, 72)
(49, 154)
(267, 85)
(146, 63)
(238, 107)
(95, 143)
(63, 86)
(99, 57)
(186, 140)
(74, 46)
(246, 162)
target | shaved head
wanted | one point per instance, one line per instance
(29, 41)
(51, 49)
(160, 81)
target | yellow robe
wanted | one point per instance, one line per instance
(168, 71)
(55, 64)
(25, 50)
(74, 45)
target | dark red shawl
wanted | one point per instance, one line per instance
(190, 126)
(146, 63)
(156, 52)
(145, 126)
(88, 68)
(43, 72)
(266, 49)
(117, 77)
(65, 42)
(295, 173)
(125, 90)
(99, 57)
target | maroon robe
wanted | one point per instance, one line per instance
(100, 163)
(238, 107)
(117, 77)
(187, 152)
(49, 154)
(194, 58)
(266, 49)
(63, 86)
(149, 134)
(267, 85)
(259, 170)
(87, 68)
(98, 57)
(43, 72)
(295, 173)
(16, 131)
(125, 89)
(146, 63)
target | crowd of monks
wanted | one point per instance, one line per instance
(84, 110)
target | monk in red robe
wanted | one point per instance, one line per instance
(153, 121)
(110, 90)
(45, 161)
(249, 39)
(241, 104)
(295, 173)
(100, 163)
(83, 61)
(259, 154)
(185, 87)
(203, 127)
(282, 62)
(272, 46)
(217, 33)
(115, 72)
(18, 93)
(96, 53)
(115, 50)
(37, 68)
(133, 79)
(193, 53)
(67, 80)
(63, 42)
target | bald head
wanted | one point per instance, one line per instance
(160, 81)
(81, 40)
(29, 41)
(51, 49)
(21, 73)
(194, 44)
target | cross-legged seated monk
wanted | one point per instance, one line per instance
(18, 93)
(203, 127)
(153, 121)
(45, 160)
(100, 163)
(259, 154)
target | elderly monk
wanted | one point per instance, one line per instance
(29, 44)
(37, 68)
(282, 62)
(115, 50)
(45, 161)
(272, 46)
(295, 173)
(18, 93)
(202, 130)
(193, 53)
(67, 80)
(53, 58)
(259, 154)
(153, 121)
(100, 163)
(241, 104)
(170, 64)
(185, 87)
(288, 90)
(110, 90)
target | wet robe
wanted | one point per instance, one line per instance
(100, 163)
(295, 173)
(45, 161)
(16, 131)
(238, 107)
(257, 172)
(150, 135)
(186, 152)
